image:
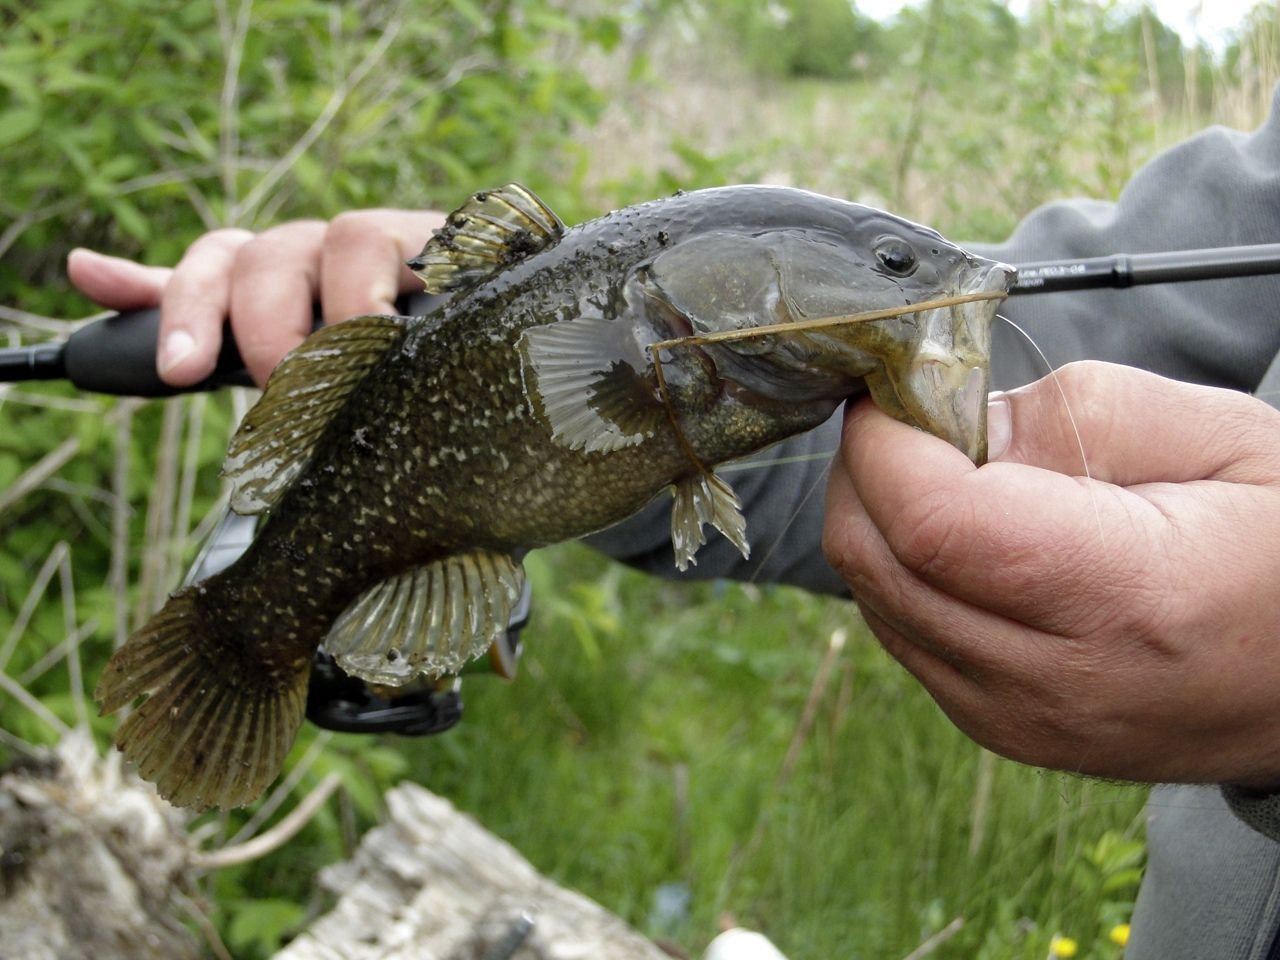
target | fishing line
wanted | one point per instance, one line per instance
(821, 478)
(1066, 405)
(742, 465)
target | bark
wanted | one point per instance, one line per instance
(432, 884)
(91, 861)
(94, 866)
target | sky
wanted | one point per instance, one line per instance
(1208, 19)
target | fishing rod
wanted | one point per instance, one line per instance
(1136, 269)
(116, 353)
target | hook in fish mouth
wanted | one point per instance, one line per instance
(943, 387)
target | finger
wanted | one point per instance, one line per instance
(193, 307)
(362, 269)
(972, 640)
(115, 282)
(1132, 427)
(1000, 537)
(275, 282)
(946, 683)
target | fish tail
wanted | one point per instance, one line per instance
(217, 722)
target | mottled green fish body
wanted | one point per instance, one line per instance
(406, 463)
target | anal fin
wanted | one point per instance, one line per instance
(429, 620)
(700, 499)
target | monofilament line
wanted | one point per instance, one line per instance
(1066, 405)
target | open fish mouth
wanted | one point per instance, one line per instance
(942, 386)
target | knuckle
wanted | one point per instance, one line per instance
(353, 226)
(223, 240)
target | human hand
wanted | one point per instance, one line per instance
(265, 283)
(1125, 626)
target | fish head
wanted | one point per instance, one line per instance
(766, 306)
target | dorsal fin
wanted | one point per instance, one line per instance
(492, 230)
(276, 437)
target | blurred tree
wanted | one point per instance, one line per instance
(136, 124)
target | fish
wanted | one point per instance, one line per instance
(404, 465)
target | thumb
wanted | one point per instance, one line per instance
(1125, 426)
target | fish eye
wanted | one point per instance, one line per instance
(895, 255)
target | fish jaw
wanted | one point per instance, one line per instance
(941, 386)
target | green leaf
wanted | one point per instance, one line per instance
(18, 124)
(262, 924)
(130, 219)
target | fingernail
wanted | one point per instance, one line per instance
(999, 425)
(176, 347)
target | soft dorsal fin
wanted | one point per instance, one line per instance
(276, 437)
(428, 620)
(492, 230)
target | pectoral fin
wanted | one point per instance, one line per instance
(581, 375)
(429, 620)
(700, 499)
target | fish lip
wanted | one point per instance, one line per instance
(945, 386)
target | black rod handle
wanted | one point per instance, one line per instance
(117, 354)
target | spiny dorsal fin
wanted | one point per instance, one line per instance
(492, 230)
(700, 499)
(583, 376)
(275, 440)
(429, 620)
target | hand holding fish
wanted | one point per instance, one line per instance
(1123, 626)
(265, 283)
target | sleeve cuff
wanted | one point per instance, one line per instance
(1261, 811)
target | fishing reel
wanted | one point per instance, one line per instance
(347, 704)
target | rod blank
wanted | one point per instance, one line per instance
(1135, 269)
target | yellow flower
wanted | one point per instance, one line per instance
(1061, 946)
(1120, 934)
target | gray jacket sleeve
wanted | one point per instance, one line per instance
(1220, 188)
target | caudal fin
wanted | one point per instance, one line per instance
(214, 729)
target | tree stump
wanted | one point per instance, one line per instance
(432, 884)
(91, 861)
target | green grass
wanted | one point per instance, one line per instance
(645, 740)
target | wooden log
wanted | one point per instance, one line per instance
(432, 884)
(93, 866)
(92, 862)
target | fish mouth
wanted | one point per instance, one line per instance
(943, 386)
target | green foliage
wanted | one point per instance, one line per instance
(793, 38)
(133, 126)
